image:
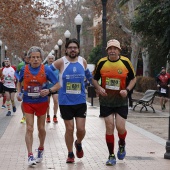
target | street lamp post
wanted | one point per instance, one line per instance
(78, 21)
(167, 154)
(0, 51)
(15, 58)
(60, 42)
(56, 50)
(67, 35)
(104, 2)
(6, 48)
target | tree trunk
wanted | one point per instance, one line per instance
(168, 63)
(135, 39)
(146, 67)
(135, 51)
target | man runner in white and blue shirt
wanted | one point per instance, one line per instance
(72, 97)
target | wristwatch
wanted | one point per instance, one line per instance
(127, 90)
(50, 91)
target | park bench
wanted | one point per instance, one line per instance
(146, 100)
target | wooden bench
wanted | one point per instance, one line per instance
(146, 100)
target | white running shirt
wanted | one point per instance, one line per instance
(9, 77)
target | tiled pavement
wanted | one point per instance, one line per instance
(145, 151)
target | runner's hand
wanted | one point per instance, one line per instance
(44, 92)
(101, 91)
(19, 97)
(123, 93)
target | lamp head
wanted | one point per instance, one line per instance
(60, 42)
(67, 34)
(6, 48)
(78, 19)
(56, 47)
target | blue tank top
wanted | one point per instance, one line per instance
(49, 84)
(72, 91)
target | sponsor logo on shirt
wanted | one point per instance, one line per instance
(74, 69)
(119, 71)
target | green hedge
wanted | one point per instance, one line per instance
(145, 83)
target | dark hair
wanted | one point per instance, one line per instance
(3, 64)
(74, 40)
(25, 54)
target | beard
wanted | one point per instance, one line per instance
(73, 56)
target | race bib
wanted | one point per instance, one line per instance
(73, 88)
(163, 90)
(34, 91)
(112, 84)
(8, 78)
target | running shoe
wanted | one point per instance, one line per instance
(70, 158)
(8, 113)
(79, 150)
(121, 152)
(3, 107)
(14, 109)
(130, 108)
(164, 107)
(55, 120)
(39, 157)
(31, 160)
(23, 120)
(48, 119)
(111, 160)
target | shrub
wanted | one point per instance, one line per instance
(145, 83)
(95, 55)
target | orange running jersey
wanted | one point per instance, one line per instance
(114, 76)
(34, 83)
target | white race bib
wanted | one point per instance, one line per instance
(163, 90)
(112, 83)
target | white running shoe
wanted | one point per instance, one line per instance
(31, 160)
(3, 107)
(130, 108)
(39, 157)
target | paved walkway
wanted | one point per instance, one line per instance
(145, 151)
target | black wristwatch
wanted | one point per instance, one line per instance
(50, 91)
(127, 90)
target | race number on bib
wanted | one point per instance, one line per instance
(34, 91)
(112, 84)
(73, 88)
(163, 90)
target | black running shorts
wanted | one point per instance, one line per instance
(68, 112)
(1, 87)
(10, 90)
(106, 111)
